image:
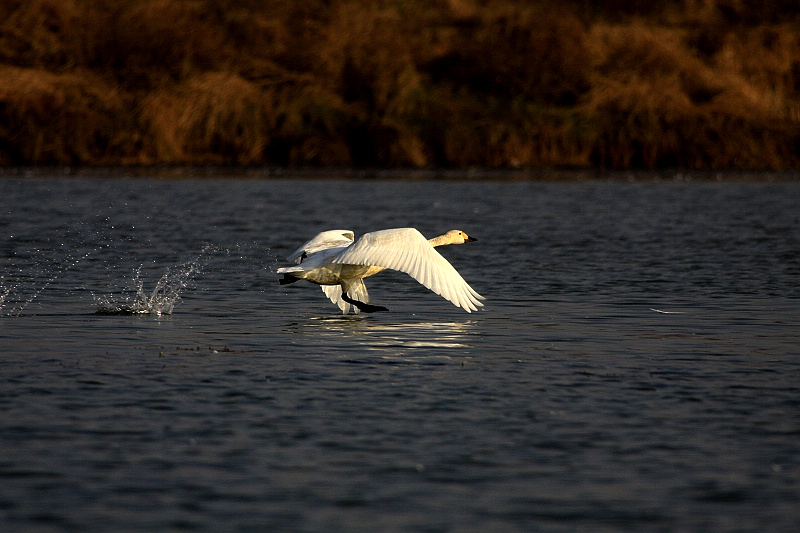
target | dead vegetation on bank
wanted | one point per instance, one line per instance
(694, 83)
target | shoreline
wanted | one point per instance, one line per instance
(400, 174)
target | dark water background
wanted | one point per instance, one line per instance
(636, 366)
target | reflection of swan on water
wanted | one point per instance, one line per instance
(333, 260)
(376, 336)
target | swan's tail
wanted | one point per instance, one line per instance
(287, 274)
(287, 279)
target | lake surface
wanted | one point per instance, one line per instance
(636, 365)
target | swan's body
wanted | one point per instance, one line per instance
(339, 264)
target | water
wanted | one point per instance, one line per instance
(636, 366)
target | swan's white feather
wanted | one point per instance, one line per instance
(333, 260)
(407, 250)
(323, 241)
(358, 291)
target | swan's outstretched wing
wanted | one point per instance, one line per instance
(358, 291)
(322, 241)
(407, 250)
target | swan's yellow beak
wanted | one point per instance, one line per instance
(467, 238)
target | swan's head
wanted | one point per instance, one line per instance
(456, 236)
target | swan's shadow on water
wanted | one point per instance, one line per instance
(366, 339)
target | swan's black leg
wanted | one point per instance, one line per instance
(287, 279)
(367, 308)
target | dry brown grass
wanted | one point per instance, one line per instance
(659, 104)
(40, 33)
(211, 118)
(696, 84)
(50, 118)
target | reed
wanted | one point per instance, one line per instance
(211, 118)
(658, 104)
(695, 84)
(69, 118)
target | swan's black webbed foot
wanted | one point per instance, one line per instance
(287, 279)
(367, 308)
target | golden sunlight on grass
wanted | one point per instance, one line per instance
(501, 83)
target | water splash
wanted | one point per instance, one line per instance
(4, 292)
(28, 286)
(162, 299)
(38, 268)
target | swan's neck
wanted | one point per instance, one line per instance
(441, 240)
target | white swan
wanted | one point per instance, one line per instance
(333, 260)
